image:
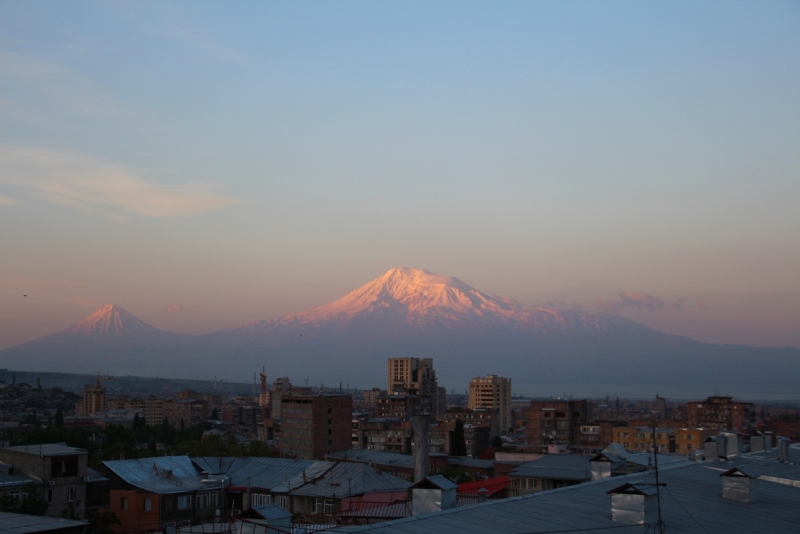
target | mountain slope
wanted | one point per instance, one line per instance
(109, 340)
(412, 312)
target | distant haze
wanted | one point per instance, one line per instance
(205, 165)
(413, 312)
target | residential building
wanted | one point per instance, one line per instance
(596, 434)
(402, 406)
(30, 524)
(487, 418)
(416, 376)
(556, 422)
(787, 426)
(371, 396)
(93, 399)
(61, 471)
(492, 393)
(153, 494)
(191, 411)
(315, 425)
(721, 413)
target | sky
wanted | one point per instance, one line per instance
(208, 164)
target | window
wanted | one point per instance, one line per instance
(14, 494)
(282, 502)
(49, 496)
(63, 466)
(328, 506)
(185, 502)
(72, 493)
(317, 506)
(148, 505)
(330, 421)
(330, 431)
(259, 499)
(207, 499)
(123, 503)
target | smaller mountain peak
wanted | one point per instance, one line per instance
(110, 319)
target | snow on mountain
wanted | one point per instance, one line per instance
(114, 321)
(418, 298)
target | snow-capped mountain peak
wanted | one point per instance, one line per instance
(111, 320)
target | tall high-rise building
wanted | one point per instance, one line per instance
(94, 399)
(493, 393)
(416, 376)
(412, 374)
(315, 425)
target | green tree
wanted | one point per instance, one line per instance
(497, 443)
(58, 422)
(29, 502)
(100, 522)
(458, 443)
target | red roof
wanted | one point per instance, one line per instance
(491, 485)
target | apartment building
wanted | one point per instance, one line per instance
(415, 376)
(721, 413)
(492, 393)
(61, 470)
(93, 399)
(556, 422)
(371, 396)
(668, 440)
(315, 425)
(191, 411)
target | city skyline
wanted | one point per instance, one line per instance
(206, 166)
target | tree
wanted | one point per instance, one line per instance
(58, 422)
(497, 443)
(458, 444)
(28, 502)
(100, 522)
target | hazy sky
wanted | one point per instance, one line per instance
(206, 164)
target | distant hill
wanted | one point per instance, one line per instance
(412, 312)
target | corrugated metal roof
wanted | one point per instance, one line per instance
(691, 503)
(437, 481)
(161, 474)
(48, 449)
(491, 485)
(28, 524)
(376, 457)
(312, 471)
(271, 511)
(557, 467)
(264, 473)
(15, 480)
(346, 479)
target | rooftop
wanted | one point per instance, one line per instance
(691, 503)
(25, 524)
(47, 449)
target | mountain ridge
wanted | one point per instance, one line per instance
(413, 312)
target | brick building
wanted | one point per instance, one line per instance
(315, 425)
(191, 411)
(721, 413)
(556, 422)
(492, 393)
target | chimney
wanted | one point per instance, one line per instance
(722, 446)
(710, 449)
(740, 484)
(419, 425)
(635, 504)
(783, 450)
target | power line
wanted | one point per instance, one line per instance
(688, 513)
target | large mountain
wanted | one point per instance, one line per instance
(412, 312)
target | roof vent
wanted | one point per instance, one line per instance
(635, 504)
(783, 450)
(740, 484)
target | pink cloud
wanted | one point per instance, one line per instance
(172, 308)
